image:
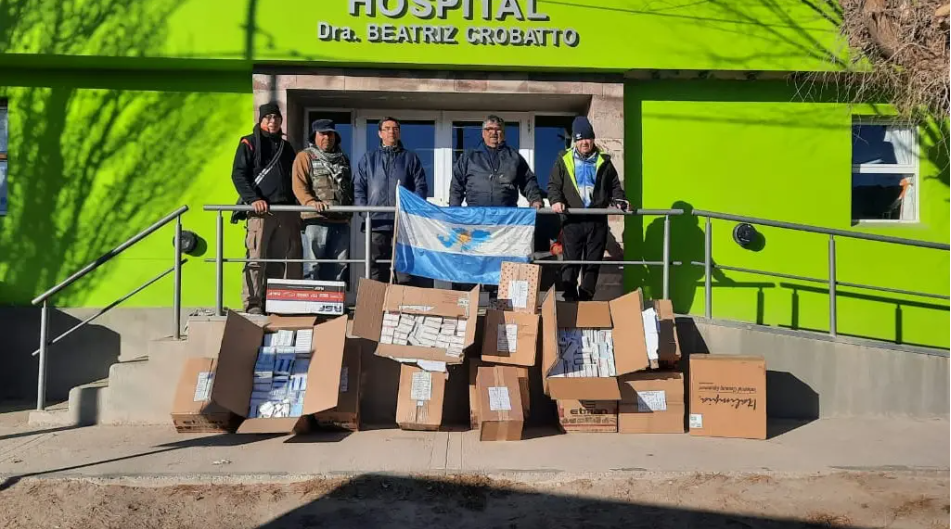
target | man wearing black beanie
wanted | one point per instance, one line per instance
(583, 177)
(262, 177)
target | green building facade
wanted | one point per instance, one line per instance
(115, 113)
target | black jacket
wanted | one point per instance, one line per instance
(253, 154)
(485, 178)
(607, 185)
(376, 178)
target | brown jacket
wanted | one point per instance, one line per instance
(334, 190)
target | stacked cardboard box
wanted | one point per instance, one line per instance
(219, 392)
(304, 296)
(501, 413)
(346, 415)
(652, 402)
(511, 339)
(424, 329)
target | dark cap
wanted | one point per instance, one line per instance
(322, 125)
(267, 109)
(581, 129)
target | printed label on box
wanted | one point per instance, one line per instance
(651, 401)
(696, 420)
(344, 379)
(422, 386)
(507, 337)
(499, 399)
(203, 387)
(518, 293)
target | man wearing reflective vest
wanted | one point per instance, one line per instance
(583, 177)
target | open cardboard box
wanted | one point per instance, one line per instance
(232, 373)
(375, 299)
(668, 347)
(622, 315)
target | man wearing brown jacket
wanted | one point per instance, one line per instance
(322, 178)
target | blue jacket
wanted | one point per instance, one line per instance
(376, 177)
(492, 177)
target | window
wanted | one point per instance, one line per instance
(884, 172)
(552, 135)
(3, 157)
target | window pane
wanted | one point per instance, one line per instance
(341, 122)
(3, 188)
(552, 135)
(417, 136)
(882, 196)
(468, 135)
(3, 128)
(882, 144)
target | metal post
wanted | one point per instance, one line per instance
(41, 375)
(366, 247)
(708, 270)
(832, 285)
(219, 266)
(177, 294)
(666, 256)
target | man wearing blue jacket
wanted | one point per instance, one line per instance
(493, 174)
(378, 174)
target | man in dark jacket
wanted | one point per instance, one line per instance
(261, 174)
(493, 174)
(377, 177)
(583, 177)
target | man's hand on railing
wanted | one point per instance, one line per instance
(260, 206)
(558, 207)
(318, 206)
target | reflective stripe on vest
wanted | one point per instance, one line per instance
(569, 159)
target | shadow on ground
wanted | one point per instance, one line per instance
(477, 501)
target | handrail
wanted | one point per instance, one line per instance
(824, 231)
(106, 257)
(44, 298)
(391, 209)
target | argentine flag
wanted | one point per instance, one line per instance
(462, 245)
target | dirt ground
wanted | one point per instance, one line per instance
(886, 500)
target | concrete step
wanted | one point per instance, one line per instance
(83, 408)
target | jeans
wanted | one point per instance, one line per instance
(326, 240)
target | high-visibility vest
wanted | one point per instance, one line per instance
(569, 159)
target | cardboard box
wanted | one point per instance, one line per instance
(518, 287)
(652, 402)
(524, 390)
(346, 415)
(501, 417)
(668, 350)
(228, 380)
(622, 316)
(376, 299)
(587, 416)
(727, 396)
(510, 338)
(193, 411)
(420, 400)
(304, 296)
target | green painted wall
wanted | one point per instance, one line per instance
(614, 34)
(744, 148)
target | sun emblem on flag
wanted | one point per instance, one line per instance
(465, 240)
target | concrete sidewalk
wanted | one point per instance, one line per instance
(822, 446)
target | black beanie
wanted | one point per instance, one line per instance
(581, 129)
(267, 109)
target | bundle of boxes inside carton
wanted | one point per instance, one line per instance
(280, 374)
(424, 331)
(585, 353)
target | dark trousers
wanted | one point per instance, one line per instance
(381, 247)
(584, 240)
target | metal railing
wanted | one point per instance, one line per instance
(831, 280)
(368, 262)
(44, 298)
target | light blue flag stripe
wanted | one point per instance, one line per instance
(414, 205)
(451, 267)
